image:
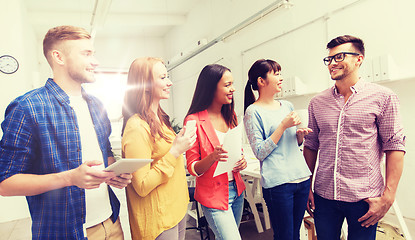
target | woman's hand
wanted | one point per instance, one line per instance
(291, 120)
(219, 154)
(183, 142)
(240, 165)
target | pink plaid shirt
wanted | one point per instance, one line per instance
(351, 138)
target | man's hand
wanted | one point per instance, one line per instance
(310, 203)
(301, 132)
(87, 177)
(121, 181)
(378, 207)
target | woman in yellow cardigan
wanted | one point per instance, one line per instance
(157, 197)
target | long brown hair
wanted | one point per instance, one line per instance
(205, 91)
(139, 96)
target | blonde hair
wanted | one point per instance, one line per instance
(61, 33)
(140, 93)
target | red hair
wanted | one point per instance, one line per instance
(139, 96)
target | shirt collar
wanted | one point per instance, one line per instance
(358, 86)
(57, 91)
(60, 94)
(355, 88)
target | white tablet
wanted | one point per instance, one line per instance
(127, 165)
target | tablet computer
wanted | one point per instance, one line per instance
(127, 165)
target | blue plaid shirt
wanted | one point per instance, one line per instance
(41, 136)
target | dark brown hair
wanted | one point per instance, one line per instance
(260, 68)
(356, 42)
(205, 91)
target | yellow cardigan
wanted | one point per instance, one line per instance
(157, 197)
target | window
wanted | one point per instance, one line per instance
(109, 88)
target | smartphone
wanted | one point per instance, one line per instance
(190, 127)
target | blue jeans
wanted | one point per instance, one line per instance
(225, 223)
(329, 216)
(286, 206)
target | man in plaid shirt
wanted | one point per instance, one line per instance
(55, 146)
(355, 123)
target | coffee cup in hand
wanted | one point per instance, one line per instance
(303, 114)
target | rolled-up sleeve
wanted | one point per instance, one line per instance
(390, 125)
(193, 154)
(311, 139)
(15, 146)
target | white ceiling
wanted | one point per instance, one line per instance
(115, 18)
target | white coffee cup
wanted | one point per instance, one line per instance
(303, 114)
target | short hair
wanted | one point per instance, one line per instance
(356, 42)
(61, 33)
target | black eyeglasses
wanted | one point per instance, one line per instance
(339, 57)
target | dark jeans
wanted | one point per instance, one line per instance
(330, 214)
(286, 206)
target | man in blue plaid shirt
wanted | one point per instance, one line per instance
(55, 146)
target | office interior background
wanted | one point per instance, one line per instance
(189, 34)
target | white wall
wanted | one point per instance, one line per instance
(18, 41)
(296, 38)
(112, 52)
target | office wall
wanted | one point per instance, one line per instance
(18, 41)
(296, 38)
(115, 54)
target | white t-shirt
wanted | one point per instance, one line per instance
(98, 206)
(221, 137)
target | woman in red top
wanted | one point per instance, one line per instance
(213, 109)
